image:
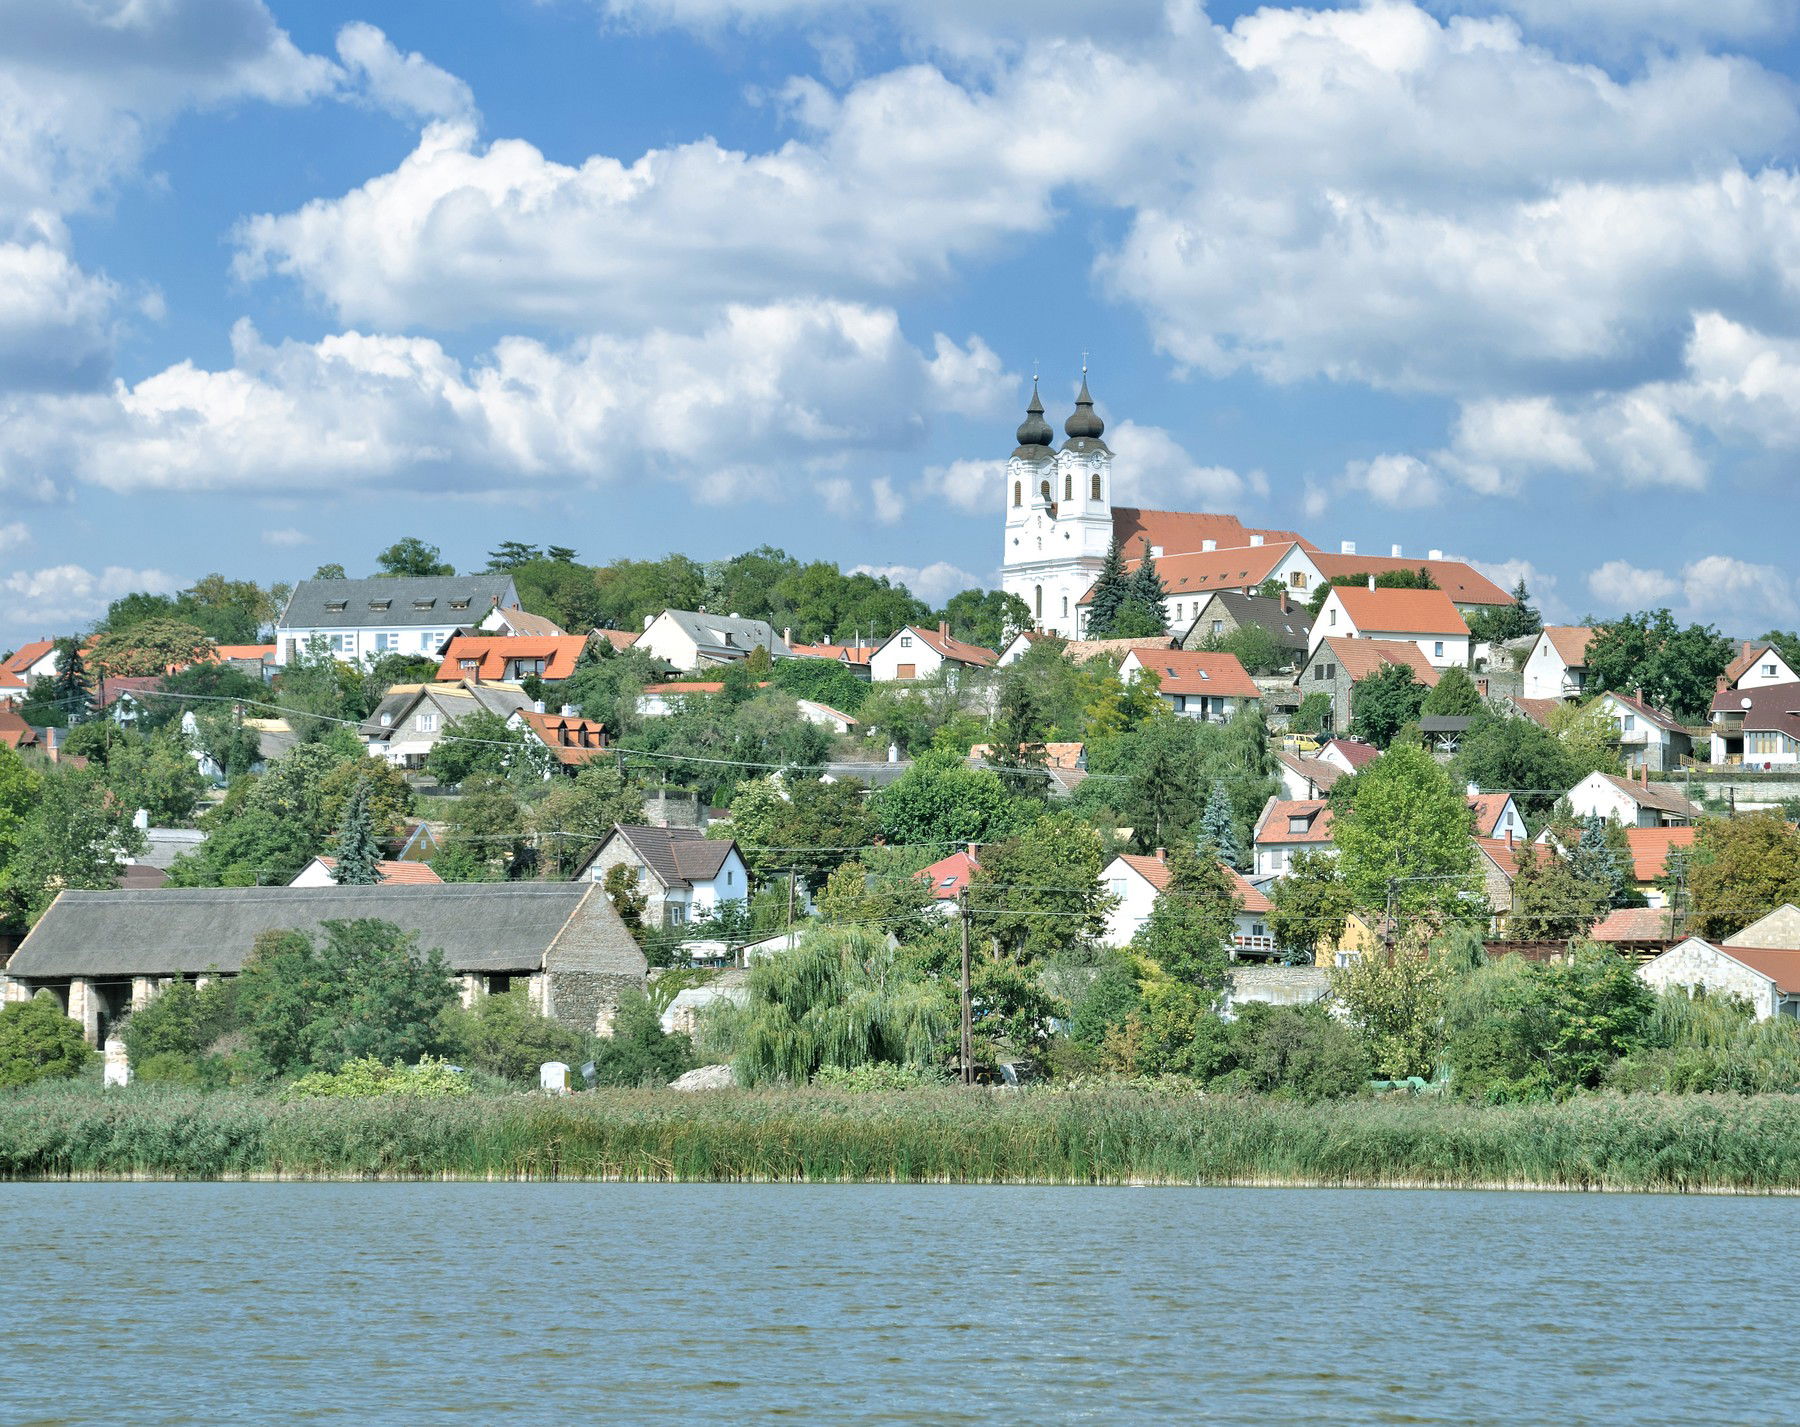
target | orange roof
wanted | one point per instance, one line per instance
(1746, 660)
(955, 648)
(521, 621)
(1274, 825)
(1780, 964)
(1056, 755)
(948, 875)
(618, 638)
(1570, 641)
(1508, 855)
(1650, 848)
(1487, 808)
(1180, 532)
(1635, 924)
(261, 652)
(401, 872)
(1194, 671)
(1155, 871)
(571, 739)
(1360, 658)
(1537, 710)
(1401, 611)
(843, 653)
(1239, 568)
(492, 656)
(12, 670)
(1079, 651)
(15, 732)
(1461, 582)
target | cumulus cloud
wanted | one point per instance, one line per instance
(967, 485)
(1618, 584)
(68, 595)
(791, 386)
(1738, 595)
(407, 85)
(1404, 482)
(286, 539)
(56, 321)
(1674, 21)
(14, 536)
(1153, 469)
(933, 583)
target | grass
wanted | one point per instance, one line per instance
(1741, 1143)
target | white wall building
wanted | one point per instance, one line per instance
(1136, 882)
(1758, 666)
(1425, 618)
(1556, 667)
(1631, 804)
(361, 619)
(912, 653)
(682, 873)
(688, 639)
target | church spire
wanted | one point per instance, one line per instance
(1035, 434)
(1084, 423)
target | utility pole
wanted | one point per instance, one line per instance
(790, 912)
(968, 1023)
(1387, 932)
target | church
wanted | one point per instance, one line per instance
(1060, 521)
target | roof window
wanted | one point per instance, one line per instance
(336, 605)
(424, 604)
(381, 604)
(459, 604)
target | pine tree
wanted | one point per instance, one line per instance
(1592, 859)
(358, 856)
(1145, 589)
(1217, 830)
(1109, 593)
(71, 683)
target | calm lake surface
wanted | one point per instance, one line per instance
(413, 1303)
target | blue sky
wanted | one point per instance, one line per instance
(281, 282)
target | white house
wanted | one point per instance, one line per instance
(683, 874)
(1288, 827)
(1649, 737)
(407, 724)
(1496, 816)
(1426, 618)
(1757, 727)
(1348, 754)
(1136, 882)
(1757, 666)
(826, 716)
(321, 872)
(1193, 683)
(36, 660)
(1556, 667)
(687, 639)
(1632, 804)
(1761, 964)
(913, 653)
(511, 620)
(1019, 646)
(360, 619)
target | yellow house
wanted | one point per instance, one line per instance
(1360, 935)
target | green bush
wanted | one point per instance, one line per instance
(639, 1051)
(1295, 1052)
(181, 1020)
(428, 1080)
(504, 1037)
(39, 1042)
(1695, 1043)
(864, 1078)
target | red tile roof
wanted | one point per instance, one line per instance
(1155, 871)
(948, 875)
(843, 653)
(1773, 707)
(15, 732)
(1570, 641)
(1461, 582)
(1360, 658)
(1643, 925)
(1193, 671)
(955, 648)
(1780, 964)
(1537, 710)
(1650, 848)
(1184, 532)
(411, 873)
(1745, 661)
(1401, 611)
(1356, 753)
(618, 638)
(1488, 808)
(1509, 856)
(573, 740)
(1239, 568)
(1273, 828)
(494, 654)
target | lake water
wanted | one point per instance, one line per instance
(418, 1303)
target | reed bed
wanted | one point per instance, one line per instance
(1665, 1143)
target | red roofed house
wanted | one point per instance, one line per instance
(502, 658)
(1286, 827)
(1497, 816)
(14, 731)
(572, 740)
(1649, 737)
(320, 873)
(36, 660)
(1136, 882)
(1757, 727)
(1650, 849)
(1757, 666)
(1640, 932)
(914, 653)
(1639, 804)
(1760, 964)
(1349, 754)
(854, 657)
(947, 877)
(511, 620)
(1335, 665)
(1498, 860)
(1469, 590)
(1426, 618)
(1556, 667)
(1193, 683)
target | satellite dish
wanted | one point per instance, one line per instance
(1746, 701)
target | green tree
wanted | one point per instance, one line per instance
(1144, 589)
(1740, 869)
(1453, 696)
(38, 1042)
(1419, 579)
(1311, 716)
(1311, 906)
(484, 742)
(606, 684)
(824, 681)
(1405, 832)
(1015, 746)
(1550, 901)
(69, 685)
(1217, 828)
(988, 619)
(76, 837)
(20, 786)
(485, 838)
(807, 824)
(1293, 1053)
(511, 554)
(1039, 893)
(571, 818)
(1593, 859)
(628, 899)
(329, 572)
(639, 1051)
(411, 557)
(365, 989)
(1254, 647)
(1500, 623)
(180, 1023)
(1589, 737)
(503, 1036)
(1191, 924)
(1502, 754)
(1112, 588)
(153, 772)
(942, 801)
(357, 855)
(1397, 1002)
(1674, 667)
(856, 896)
(1383, 703)
(154, 646)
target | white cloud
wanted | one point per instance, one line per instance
(56, 321)
(1401, 481)
(967, 485)
(1739, 594)
(65, 596)
(763, 391)
(1675, 21)
(14, 536)
(1153, 469)
(1618, 584)
(933, 583)
(888, 503)
(286, 539)
(1540, 584)
(408, 85)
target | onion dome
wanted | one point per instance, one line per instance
(1084, 421)
(1035, 433)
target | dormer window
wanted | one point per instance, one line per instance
(459, 604)
(1300, 822)
(381, 604)
(337, 606)
(424, 604)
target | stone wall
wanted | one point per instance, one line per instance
(588, 1000)
(1276, 985)
(1694, 963)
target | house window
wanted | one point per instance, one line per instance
(1018, 493)
(906, 641)
(387, 720)
(1065, 606)
(1218, 626)
(1037, 602)
(1333, 619)
(343, 644)
(387, 642)
(1437, 650)
(1068, 485)
(1044, 491)
(1299, 824)
(730, 878)
(1629, 724)
(1096, 495)
(426, 723)
(1768, 671)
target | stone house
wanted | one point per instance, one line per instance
(683, 874)
(1336, 663)
(1632, 804)
(104, 953)
(1761, 964)
(1225, 612)
(1649, 737)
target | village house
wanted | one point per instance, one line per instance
(1426, 618)
(683, 874)
(1496, 815)
(573, 741)
(1288, 827)
(947, 877)
(1497, 862)
(410, 719)
(1757, 727)
(36, 660)
(500, 658)
(1649, 737)
(1350, 754)
(854, 656)
(15, 733)
(1757, 666)
(1193, 683)
(1650, 851)
(322, 872)
(1135, 882)
(1556, 667)
(510, 620)
(1304, 779)
(1225, 612)
(913, 653)
(686, 640)
(1631, 804)
(1336, 663)
(1760, 965)
(360, 619)
(102, 954)
(825, 716)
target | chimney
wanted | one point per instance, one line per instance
(1162, 854)
(1719, 688)
(649, 619)
(943, 629)
(1347, 547)
(141, 819)
(568, 710)
(538, 707)
(1435, 555)
(1644, 773)
(1208, 546)
(787, 636)
(893, 753)
(1371, 582)
(1284, 602)
(1256, 540)
(1394, 552)
(1509, 838)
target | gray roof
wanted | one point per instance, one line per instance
(162, 845)
(457, 700)
(679, 856)
(173, 931)
(727, 635)
(1292, 629)
(445, 600)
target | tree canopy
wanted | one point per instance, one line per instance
(1675, 667)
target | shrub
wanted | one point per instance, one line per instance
(865, 1078)
(38, 1042)
(181, 1021)
(428, 1080)
(504, 1037)
(639, 1051)
(1295, 1052)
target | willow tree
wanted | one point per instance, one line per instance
(842, 998)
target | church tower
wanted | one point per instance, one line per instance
(1058, 514)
